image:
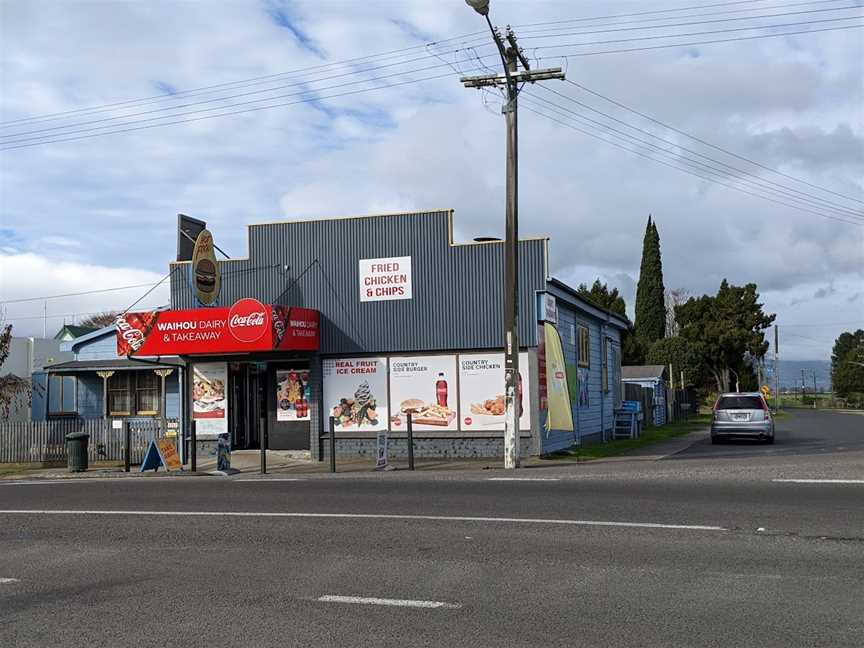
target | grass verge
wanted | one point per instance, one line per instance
(649, 437)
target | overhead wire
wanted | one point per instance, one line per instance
(219, 86)
(532, 36)
(784, 189)
(677, 17)
(688, 44)
(679, 167)
(706, 143)
(6, 141)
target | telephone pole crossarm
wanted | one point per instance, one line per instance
(526, 76)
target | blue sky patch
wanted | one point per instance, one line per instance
(281, 14)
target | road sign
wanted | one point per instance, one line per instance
(766, 391)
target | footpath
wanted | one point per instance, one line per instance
(247, 463)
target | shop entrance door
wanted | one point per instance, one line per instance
(288, 404)
(246, 407)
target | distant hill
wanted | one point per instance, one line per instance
(790, 374)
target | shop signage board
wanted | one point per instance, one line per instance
(209, 399)
(381, 457)
(550, 308)
(385, 279)
(292, 395)
(206, 276)
(427, 387)
(355, 393)
(245, 327)
(161, 452)
(481, 391)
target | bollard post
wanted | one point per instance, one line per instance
(127, 451)
(193, 456)
(332, 445)
(410, 441)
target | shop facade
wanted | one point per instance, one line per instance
(406, 319)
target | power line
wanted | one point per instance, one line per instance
(704, 168)
(698, 15)
(682, 168)
(701, 22)
(703, 42)
(699, 33)
(644, 13)
(75, 294)
(64, 315)
(302, 82)
(214, 87)
(234, 112)
(816, 200)
(706, 143)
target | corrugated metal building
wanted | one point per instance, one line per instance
(452, 321)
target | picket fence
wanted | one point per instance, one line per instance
(45, 441)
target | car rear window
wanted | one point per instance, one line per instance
(740, 402)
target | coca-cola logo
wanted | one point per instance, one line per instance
(131, 335)
(247, 320)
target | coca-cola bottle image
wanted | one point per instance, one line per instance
(441, 390)
(133, 329)
(279, 316)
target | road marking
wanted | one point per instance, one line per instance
(4, 581)
(364, 600)
(265, 479)
(371, 516)
(525, 479)
(819, 481)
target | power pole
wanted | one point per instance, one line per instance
(803, 387)
(814, 389)
(511, 56)
(776, 369)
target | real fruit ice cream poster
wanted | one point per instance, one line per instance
(355, 393)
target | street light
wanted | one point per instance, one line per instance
(480, 6)
(511, 56)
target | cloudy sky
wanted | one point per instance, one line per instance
(99, 211)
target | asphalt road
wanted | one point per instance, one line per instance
(704, 548)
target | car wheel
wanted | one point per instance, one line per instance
(770, 439)
(715, 440)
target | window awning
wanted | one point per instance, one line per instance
(121, 364)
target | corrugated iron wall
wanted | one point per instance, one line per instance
(457, 296)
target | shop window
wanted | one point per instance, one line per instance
(120, 394)
(584, 347)
(147, 393)
(133, 393)
(62, 394)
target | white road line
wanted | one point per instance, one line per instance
(370, 516)
(265, 480)
(4, 581)
(524, 479)
(364, 600)
(819, 481)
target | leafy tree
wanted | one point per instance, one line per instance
(679, 353)
(650, 294)
(12, 388)
(847, 375)
(100, 320)
(600, 294)
(726, 331)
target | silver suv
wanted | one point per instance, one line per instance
(742, 415)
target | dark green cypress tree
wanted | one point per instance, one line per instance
(650, 321)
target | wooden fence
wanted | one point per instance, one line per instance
(45, 441)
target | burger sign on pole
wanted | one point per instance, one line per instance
(206, 280)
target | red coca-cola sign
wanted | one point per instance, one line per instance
(248, 320)
(247, 326)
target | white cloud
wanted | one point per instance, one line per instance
(111, 202)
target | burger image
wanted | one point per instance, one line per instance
(412, 405)
(205, 276)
